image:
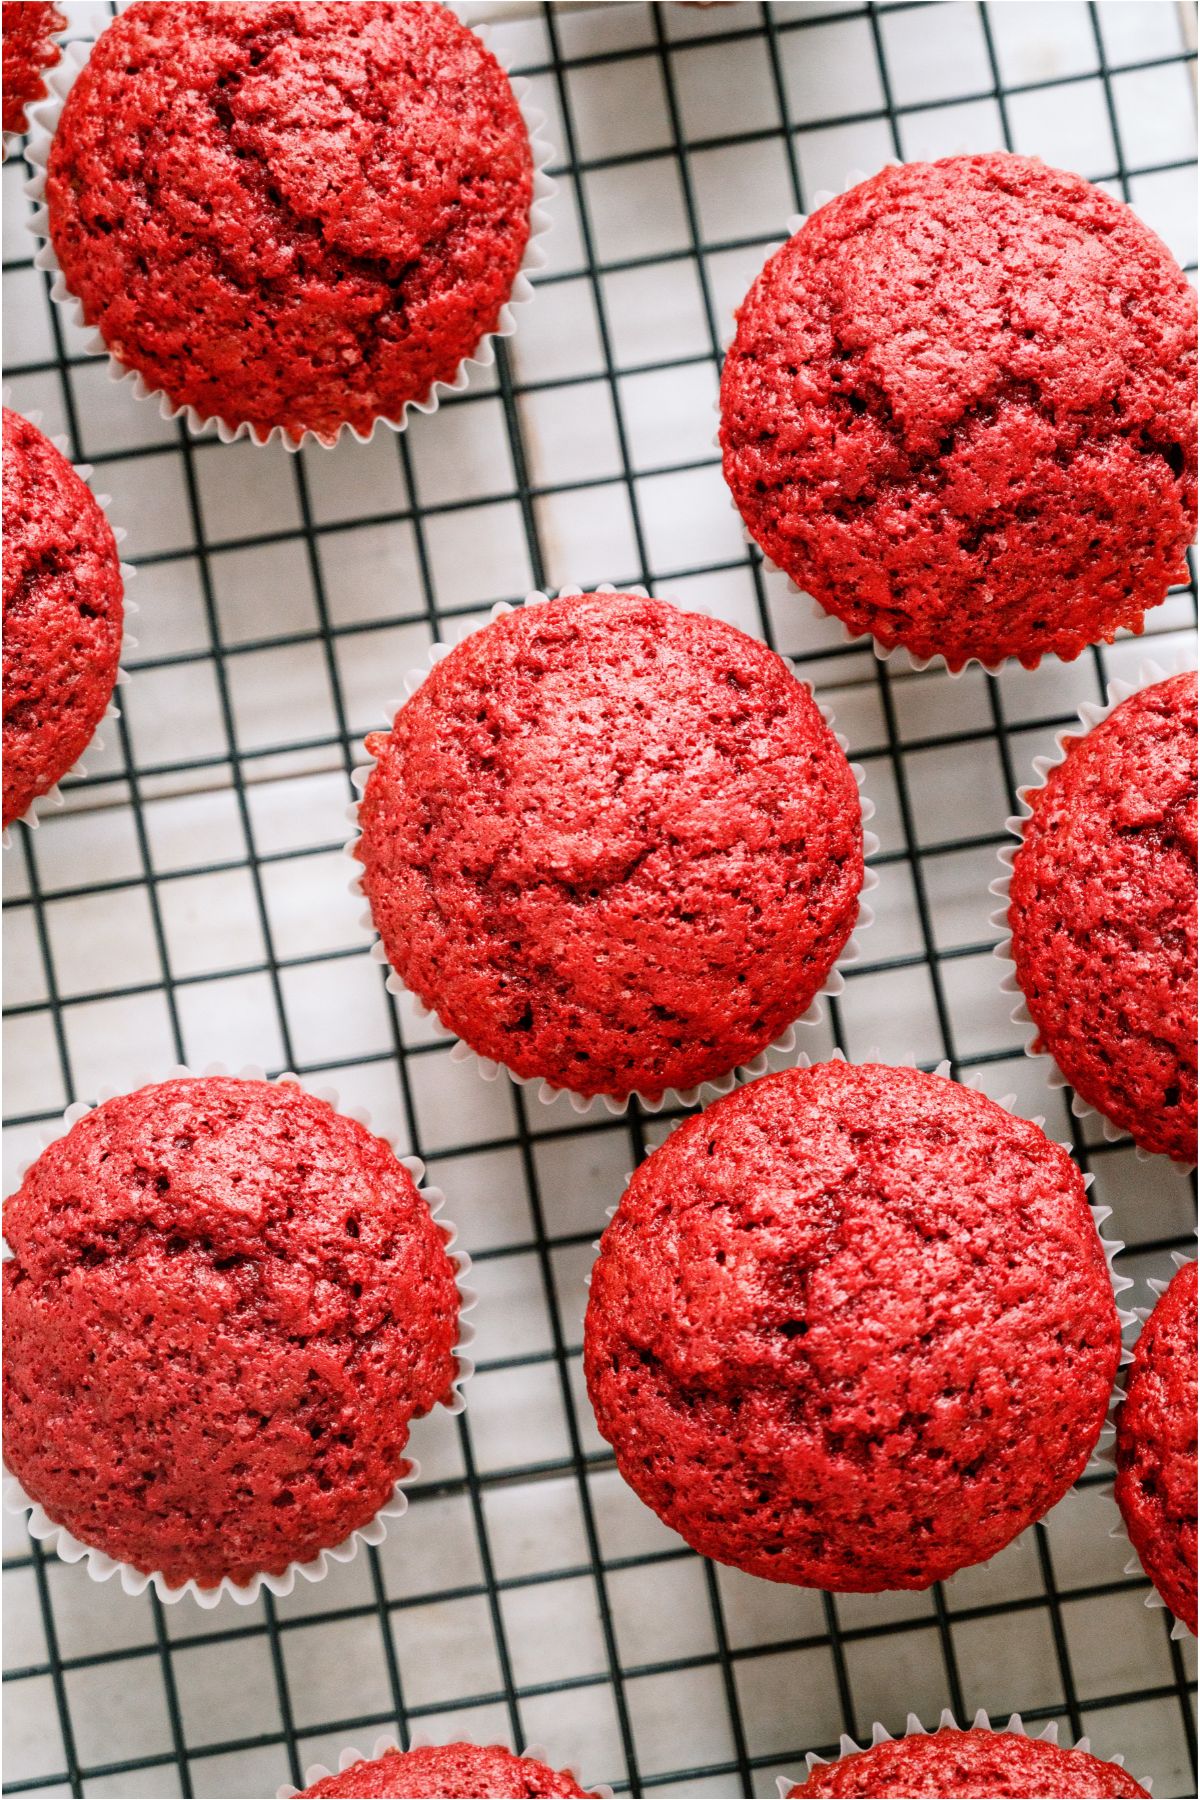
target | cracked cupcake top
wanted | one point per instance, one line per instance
(295, 215)
(63, 612)
(852, 1328)
(960, 411)
(1102, 909)
(612, 844)
(225, 1304)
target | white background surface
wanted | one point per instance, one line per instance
(281, 600)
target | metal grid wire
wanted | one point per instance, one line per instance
(188, 903)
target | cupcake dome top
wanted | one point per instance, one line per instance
(1156, 1448)
(294, 215)
(960, 410)
(955, 1765)
(63, 612)
(448, 1772)
(1102, 911)
(612, 844)
(29, 50)
(852, 1327)
(225, 1304)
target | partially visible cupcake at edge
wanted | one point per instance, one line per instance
(612, 844)
(224, 1306)
(960, 411)
(63, 615)
(291, 215)
(449, 1772)
(30, 49)
(1102, 910)
(957, 1765)
(1156, 1448)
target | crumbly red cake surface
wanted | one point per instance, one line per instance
(612, 844)
(1156, 1447)
(29, 50)
(447, 1772)
(225, 1304)
(293, 215)
(63, 610)
(960, 411)
(970, 1765)
(852, 1327)
(1103, 916)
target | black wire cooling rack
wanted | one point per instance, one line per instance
(182, 907)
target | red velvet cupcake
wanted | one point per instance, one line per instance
(1102, 911)
(448, 1772)
(969, 1765)
(960, 411)
(294, 216)
(225, 1304)
(1156, 1448)
(612, 844)
(29, 50)
(63, 613)
(852, 1328)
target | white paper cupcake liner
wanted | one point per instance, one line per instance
(421, 1740)
(899, 656)
(102, 1567)
(44, 116)
(1153, 1601)
(1090, 715)
(53, 797)
(946, 1722)
(766, 1059)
